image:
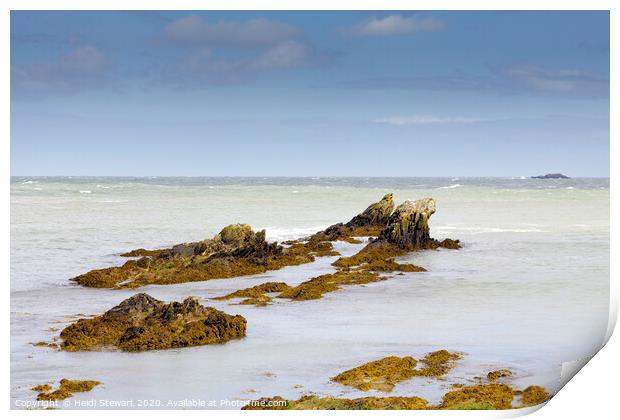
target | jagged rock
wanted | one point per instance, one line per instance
(377, 214)
(407, 230)
(145, 323)
(551, 176)
(369, 222)
(408, 225)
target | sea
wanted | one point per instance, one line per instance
(528, 291)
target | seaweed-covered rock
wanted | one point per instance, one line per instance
(314, 402)
(235, 251)
(256, 295)
(494, 375)
(408, 225)
(407, 230)
(369, 222)
(534, 395)
(384, 374)
(493, 396)
(145, 323)
(377, 214)
(65, 389)
(326, 283)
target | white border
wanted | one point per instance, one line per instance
(591, 394)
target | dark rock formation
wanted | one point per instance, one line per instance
(407, 230)
(368, 223)
(235, 251)
(408, 225)
(145, 323)
(551, 176)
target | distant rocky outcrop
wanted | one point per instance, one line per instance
(145, 323)
(551, 176)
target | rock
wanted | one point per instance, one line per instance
(145, 323)
(500, 373)
(490, 396)
(256, 295)
(314, 402)
(408, 225)
(384, 374)
(369, 222)
(183, 250)
(551, 176)
(65, 390)
(235, 251)
(377, 214)
(534, 395)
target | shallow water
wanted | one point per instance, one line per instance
(528, 290)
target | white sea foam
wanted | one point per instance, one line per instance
(447, 187)
(284, 234)
(86, 192)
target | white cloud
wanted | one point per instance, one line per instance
(426, 119)
(252, 33)
(397, 24)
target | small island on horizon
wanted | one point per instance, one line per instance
(551, 176)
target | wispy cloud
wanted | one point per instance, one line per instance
(397, 24)
(204, 65)
(563, 80)
(80, 67)
(426, 119)
(244, 34)
(509, 80)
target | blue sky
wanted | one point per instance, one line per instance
(310, 93)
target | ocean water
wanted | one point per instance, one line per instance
(528, 291)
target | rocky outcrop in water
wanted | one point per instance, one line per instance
(407, 230)
(408, 225)
(236, 251)
(384, 374)
(145, 323)
(551, 176)
(368, 223)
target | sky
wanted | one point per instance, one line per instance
(387, 93)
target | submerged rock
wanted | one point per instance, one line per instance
(256, 295)
(316, 287)
(380, 375)
(145, 323)
(497, 374)
(65, 390)
(314, 402)
(534, 395)
(384, 374)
